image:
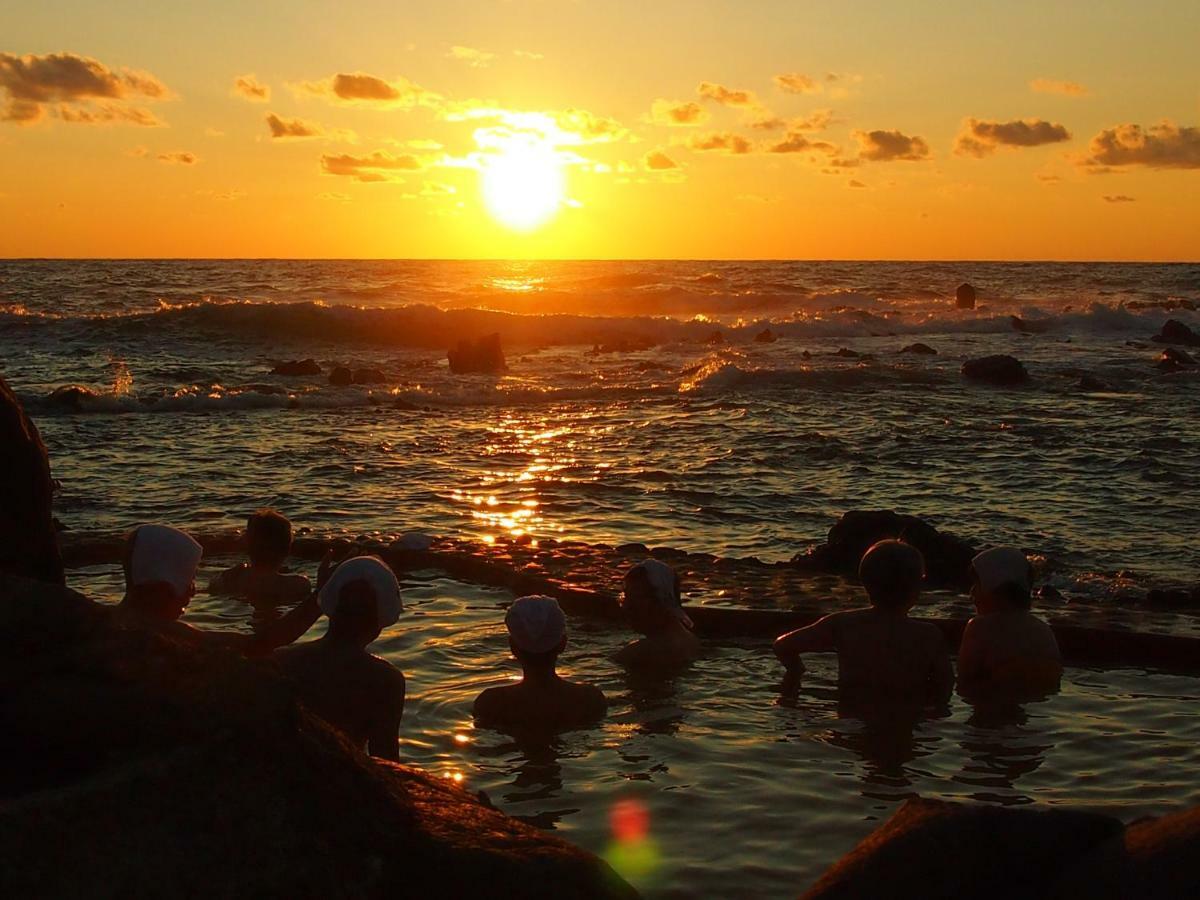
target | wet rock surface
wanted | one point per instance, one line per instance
(146, 765)
(1175, 332)
(999, 369)
(919, 349)
(297, 367)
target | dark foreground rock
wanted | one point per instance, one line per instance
(947, 557)
(28, 541)
(484, 356)
(341, 377)
(999, 369)
(1172, 360)
(945, 851)
(919, 349)
(141, 765)
(1175, 332)
(297, 367)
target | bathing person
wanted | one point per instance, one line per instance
(261, 580)
(881, 651)
(1006, 646)
(652, 605)
(542, 699)
(356, 692)
(160, 580)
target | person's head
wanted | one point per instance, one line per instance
(537, 631)
(892, 571)
(652, 598)
(361, 598)
(160, 570)
(268, 538)
(1001, 579)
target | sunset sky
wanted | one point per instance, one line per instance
(550, 128)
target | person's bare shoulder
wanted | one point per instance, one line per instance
(491, 703)
(591, 700)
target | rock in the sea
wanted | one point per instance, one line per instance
(920, 349)
(947, 557)
(341, 377)
(847, 353)
(1152, 859)
(297, 367)
(937, 850)
(766, 336)
(369, 376)
(141, 765)
(70, 396)
(964, 296)
(1175, 332)
(715, 338)
(1173, 358)
(482, 356)
(1000, 369)
(1089, 382)
(28, 539)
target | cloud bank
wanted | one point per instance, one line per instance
(75, 88)
(891, 146)
(379, 166)
(980, 138)
(1162, 146)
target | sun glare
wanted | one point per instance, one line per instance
(523, 183)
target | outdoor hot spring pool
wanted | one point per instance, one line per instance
(747, 792)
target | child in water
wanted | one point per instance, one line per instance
(542, 699)
(261, 580)
(1006, 647)
(653, 606)
(881, 651)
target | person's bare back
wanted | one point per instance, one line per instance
(557, 705)
(886, 653)
(258, 586)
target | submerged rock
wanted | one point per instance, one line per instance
(947, 557)
(297, 367)
(70, 396)
(716, 338)
(341, 377)
(964, 296)
(369, 376)
(920, 349)
(1000, 369)
(1175, 332)
(847, 353)
(1089, 382)
(766, 336)
(938, 850)
(28, 539)
(1172, 359)
(187, 771)
(483, 356)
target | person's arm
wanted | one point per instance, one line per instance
(972, 666)
(821, 636)
(287, 628)
(383, 741)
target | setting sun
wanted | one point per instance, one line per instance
(523, 183)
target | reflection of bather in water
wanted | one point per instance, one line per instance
(356, 692)
(652, 606)
(881, 652)
(160, 580)
(1002, 746)
(537, 634)
(268, 543)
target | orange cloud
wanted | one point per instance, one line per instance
(1162, 146)
(1050, 86)
(473, 57)
(1119, 198)
(724, 140)
(674, 113)
(377, 167)
(718, 93)
(181, 157)
(889, 146)
(85, 90)
(979, 138)
(797, 83)
(366, 90)
(248, 88)
(658, 161)
(816, 121)
(796, 142)
(292, 128)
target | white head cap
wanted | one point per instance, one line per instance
(536, 624)
(378, 577)
(1002, 565)
(162, 554)
(664, 584)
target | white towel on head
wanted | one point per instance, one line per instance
(162, 554)
(535, 623)
(1002, 565)
(662, 580)
(378, 577)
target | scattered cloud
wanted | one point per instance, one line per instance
(1051, 86)
(658, 161)
(756, 198)
(249, 88)
(213, 132)
(676, 113)
(1119, 198)
(1048, 178)
(528, 54)
(815, 121)
(333, 195)
(980, 138)
(76, 89)
(718, 93)
(1162, 146)
(179, 157)
(472, 56)
(855, 183)
(559, 128)
(889, 146)
(797, 142)
(721, 140)
(360, 89)
(423, 144)
(379, 166)
(798, 83)
(292, 128)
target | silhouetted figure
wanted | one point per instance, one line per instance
(542, 699)
(964, 296)
(261, 580)
(356, 692)
(160, 580)
(653, 606)
(28, 543)
(880, 650)
(1006, 648)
